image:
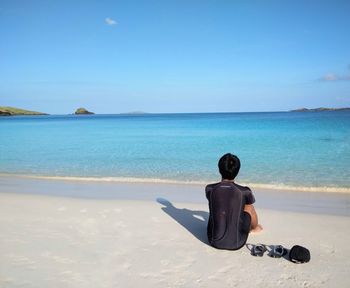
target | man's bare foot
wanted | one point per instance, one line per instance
(257, 229)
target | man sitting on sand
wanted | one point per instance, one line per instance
(231, 213)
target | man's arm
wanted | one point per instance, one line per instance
(254, 224)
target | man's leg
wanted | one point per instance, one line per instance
(254, 225)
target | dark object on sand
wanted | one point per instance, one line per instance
(258, 250)
(277, 251)
(299, 254)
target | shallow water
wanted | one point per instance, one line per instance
(283, 149)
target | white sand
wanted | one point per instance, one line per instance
(65, 242)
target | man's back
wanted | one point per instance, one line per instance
(228, 225)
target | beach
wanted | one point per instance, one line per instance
(115, 116)
(58, 233)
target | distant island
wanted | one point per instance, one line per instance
(11, 111)
(83, 111)
(134, 113)
(321, 109)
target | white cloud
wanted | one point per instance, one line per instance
(331, 77)
(110, 21)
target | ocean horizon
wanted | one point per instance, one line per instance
(279, 150)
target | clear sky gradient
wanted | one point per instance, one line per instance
(174, 56)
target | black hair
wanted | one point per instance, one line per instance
(229, 166)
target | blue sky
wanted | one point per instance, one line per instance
(174, 56)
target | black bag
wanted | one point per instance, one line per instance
(299, 254)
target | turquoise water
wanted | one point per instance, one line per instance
(278, 149)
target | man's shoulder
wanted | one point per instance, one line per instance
(233, 185)
(211, 186)
(226, 184)
(222, 184)
(243, 188)
(247, 193)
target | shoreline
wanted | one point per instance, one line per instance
(304, 202)
(131, 180)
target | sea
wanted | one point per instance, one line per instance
(307, 151)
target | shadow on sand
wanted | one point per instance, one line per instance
(195, 222)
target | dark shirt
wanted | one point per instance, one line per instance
(229, 224)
